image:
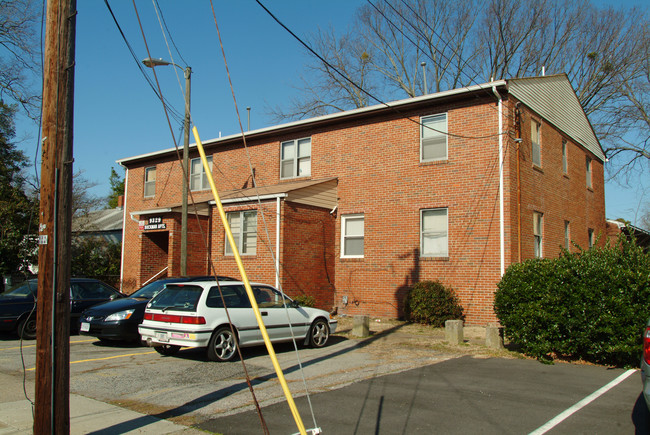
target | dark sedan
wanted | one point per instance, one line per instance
(119, 320)
(18, 305)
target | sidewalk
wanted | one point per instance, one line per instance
(89, 416)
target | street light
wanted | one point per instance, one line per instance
(151, 63)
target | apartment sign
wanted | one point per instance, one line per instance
(153, 223)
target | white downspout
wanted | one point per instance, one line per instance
(126, 189)
(501, 202)
(277, 242)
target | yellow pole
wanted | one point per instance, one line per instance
(247, 285)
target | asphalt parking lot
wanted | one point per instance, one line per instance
(400, 380)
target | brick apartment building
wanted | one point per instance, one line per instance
(355, 207)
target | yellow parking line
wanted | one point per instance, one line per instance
(26, 346)
(105, 358)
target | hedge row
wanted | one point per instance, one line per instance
(591, 305)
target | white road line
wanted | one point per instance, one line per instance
(584, 402)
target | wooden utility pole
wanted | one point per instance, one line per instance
(52, 413)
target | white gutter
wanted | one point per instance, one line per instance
(502, 241)
(277, 242)
(251, 198)
(152, 211)
(126, 189)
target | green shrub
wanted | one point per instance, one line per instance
(431, 303)
(305, 301)
(590, 305)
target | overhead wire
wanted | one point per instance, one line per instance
(347, 79)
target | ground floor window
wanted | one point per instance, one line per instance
(434, 233)
(537, 232)
(352, 235)
(243, 225)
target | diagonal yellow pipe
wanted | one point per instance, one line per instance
(247, 285)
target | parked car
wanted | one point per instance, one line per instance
(645, 365)
(118, 320)
(193, 315)
(18, 305)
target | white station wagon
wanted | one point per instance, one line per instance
(192, 314)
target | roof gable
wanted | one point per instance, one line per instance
(553, 98)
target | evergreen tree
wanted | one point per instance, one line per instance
(117, 188)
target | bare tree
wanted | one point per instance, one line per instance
(604, 52)
(19, 64)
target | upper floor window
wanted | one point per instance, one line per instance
(565, 163)
(537, 233)
(567, 236)
(434, 233)
(198, 176)
(535, 138)
(433, 138)
(243, 225)
(352, 236)
(150, 181)
(588, 171)
(295, 159)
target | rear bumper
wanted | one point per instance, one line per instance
(153, 336)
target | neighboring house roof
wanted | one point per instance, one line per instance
(642, 236)
(99, 221)
(318, 193)
(552, 97)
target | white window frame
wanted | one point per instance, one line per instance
(345, 235)
(300, 164)
(565, 158)
(536, 142)
(435, 134)
(149, 185)
(588, 170)
(435, 232)
(240, 233)
(567, 235)
(201, 175)
(538, 234)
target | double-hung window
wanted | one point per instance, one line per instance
(535, 137)
(150, 181)
(565, 162)
(567, 236)
(295, 158)
(590, 234)
(352, 236)
(198, 176)
(243, 225)
(538, 223)
(433, 138)
(434, 233)
(588, 171)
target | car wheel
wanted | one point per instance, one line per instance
(319, 333)
(223, 345)
(167, 349)
(27, 328)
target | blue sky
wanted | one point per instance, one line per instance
(117, 114)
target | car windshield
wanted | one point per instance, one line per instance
(178, 297)
(150, 290)
(25, 289)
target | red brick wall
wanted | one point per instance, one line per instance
(308, 253)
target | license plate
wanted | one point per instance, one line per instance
(162, 336)
(85, 327)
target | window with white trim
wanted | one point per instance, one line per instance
(243, 225)
(538, 227)
(150, 181)
(535, 139)
(565, 162)
(433, 138)
(588, 171)
(352, 235)
(295, 158)
(434, 233)
(567, 236)
(198, 176)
